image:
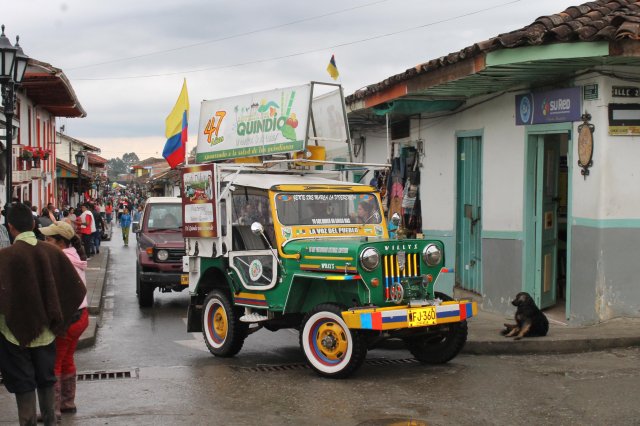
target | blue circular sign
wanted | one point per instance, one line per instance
(525, 109)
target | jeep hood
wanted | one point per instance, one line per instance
(166, 239)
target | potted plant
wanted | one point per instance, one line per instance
(26, 154)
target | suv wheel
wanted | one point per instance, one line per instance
(222, 329)
(331, 348)
(145, 295)
(442, 347)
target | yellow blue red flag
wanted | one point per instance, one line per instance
(176, 130)
(332, 68)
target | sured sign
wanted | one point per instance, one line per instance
(261, 123)
(555, 106)
(198, 202)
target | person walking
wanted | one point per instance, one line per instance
(97, 234)
(62, 235)
(125, 224)
(39, 295)
(86, 227)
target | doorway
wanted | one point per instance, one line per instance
(546, 212)
(468, 214)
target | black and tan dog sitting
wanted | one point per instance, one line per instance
(530, 321)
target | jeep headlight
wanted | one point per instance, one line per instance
(162, 255)
(370, 259)
(431, 255)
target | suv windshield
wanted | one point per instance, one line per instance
(327, 209)
(164, 216)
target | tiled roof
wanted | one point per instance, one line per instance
(601, 20)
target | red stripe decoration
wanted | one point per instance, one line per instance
(463, 311)
(376, 320)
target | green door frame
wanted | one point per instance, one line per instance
(474, 275)
(529, 243)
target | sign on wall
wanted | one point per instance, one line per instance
(624, 119)
(198, 201)
(554, 106)
(262, 123)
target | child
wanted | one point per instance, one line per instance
(125, 223)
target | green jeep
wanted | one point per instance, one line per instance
(306, 252)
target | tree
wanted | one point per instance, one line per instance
(116, 167)
(130, 158)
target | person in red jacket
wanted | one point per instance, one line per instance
(86, 227)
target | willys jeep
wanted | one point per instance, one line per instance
(273, 248)
(293, 253)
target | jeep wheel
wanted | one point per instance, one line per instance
(331, 348)
(223, 331)
(442, 347)
(138, 280)
(145, 295)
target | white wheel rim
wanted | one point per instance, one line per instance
(213, 337)
(314, 353)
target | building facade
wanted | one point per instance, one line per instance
(526, 144)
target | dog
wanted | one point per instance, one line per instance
(530, 321)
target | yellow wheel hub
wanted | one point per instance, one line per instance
(220, 324)
(332, 341)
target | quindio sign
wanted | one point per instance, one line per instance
(554, 106)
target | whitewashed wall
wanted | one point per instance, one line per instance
(612, 189)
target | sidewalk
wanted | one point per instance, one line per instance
(484, 330)
(485, 338)
(96, 279)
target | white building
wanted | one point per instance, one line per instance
(502, 130)
(45, 93)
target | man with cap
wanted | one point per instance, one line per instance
(63, 236)
(39, 294)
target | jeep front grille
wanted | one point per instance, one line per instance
(175, 255)
(393, 273)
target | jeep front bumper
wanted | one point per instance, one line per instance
(399, 317)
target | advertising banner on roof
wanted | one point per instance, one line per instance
(199, 201)
(255, 124)
(554, 106)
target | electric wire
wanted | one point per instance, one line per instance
(320, 49)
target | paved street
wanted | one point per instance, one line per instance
(158, 374)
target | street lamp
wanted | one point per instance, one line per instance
(79, 161)
(13, 64)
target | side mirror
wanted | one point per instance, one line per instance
(135, 227)
(257, 228)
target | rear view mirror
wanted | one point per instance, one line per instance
(135, 227)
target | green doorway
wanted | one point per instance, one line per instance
(545, 272)
(468, 213)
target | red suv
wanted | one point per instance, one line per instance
(160, 249)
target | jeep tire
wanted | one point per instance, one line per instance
(442, 347)
(331, 348)
(222, 329)
(145, 294)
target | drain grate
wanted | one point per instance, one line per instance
(302, 366)
(108, 375)
(103, 375)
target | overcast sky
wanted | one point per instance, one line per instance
(126, 59)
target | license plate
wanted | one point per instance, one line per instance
(420, 317)
(184, 279)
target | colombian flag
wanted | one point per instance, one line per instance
(332, 68)
(176, 130)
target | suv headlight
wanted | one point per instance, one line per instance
(162, 255)
(370, 259)
(431, 255)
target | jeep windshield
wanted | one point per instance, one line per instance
(327, 209)
(164, 217)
